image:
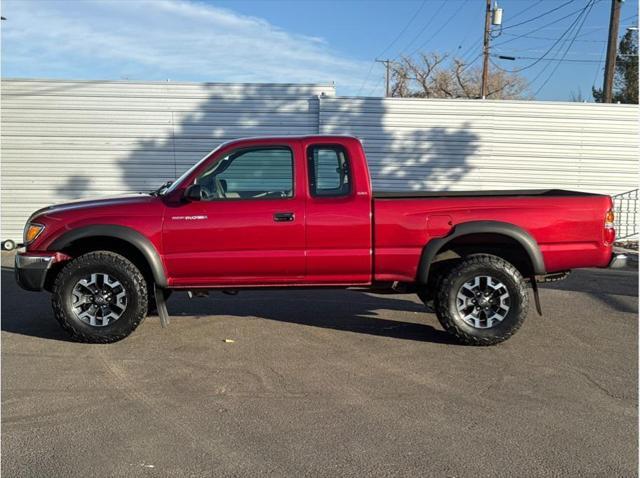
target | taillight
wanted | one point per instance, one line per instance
(609, 231)
(609, 219)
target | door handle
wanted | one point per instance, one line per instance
(284, 217)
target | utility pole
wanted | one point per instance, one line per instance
(485, 50)
(610, 66)
(387, 64)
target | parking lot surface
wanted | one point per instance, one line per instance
(325, 383)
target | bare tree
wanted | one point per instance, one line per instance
(438, 76)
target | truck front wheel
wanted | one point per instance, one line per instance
(100, 297)
(482, 301)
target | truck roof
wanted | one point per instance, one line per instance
(323, 137)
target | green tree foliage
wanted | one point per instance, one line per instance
(625, 82)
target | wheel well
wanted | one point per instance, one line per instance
(499, 245)
(102, 243)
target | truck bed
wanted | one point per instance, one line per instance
(514, 193)
(567, 225)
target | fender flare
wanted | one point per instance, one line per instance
(133, 237)
(482, 227)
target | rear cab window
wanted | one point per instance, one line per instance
(329, 171)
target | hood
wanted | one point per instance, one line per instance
(80, 204)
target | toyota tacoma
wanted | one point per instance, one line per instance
(300, 212)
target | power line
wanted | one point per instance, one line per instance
(464, 38)
(567, 31)
(593, 28)
(469, 51)
(467, 66)
(592, 3)
(551, 39)
(455, 13)
(433, 17)
(575, 60)
(441, 28)
(547, 65)
(424, 2)
(526, 9)
(366, 80)
(539, 16)
(532, 51)
(543, 26)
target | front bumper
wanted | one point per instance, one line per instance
(31, 270)
(619, 261)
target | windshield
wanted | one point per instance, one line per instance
(187, 173)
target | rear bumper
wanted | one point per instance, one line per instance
(31, 270)
(619, 261)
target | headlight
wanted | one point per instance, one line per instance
(32, 231)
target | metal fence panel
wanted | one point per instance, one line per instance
(63, 140)
(625, 206)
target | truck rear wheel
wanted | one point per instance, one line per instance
(100, 297)
(482, 301)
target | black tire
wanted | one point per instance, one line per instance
(475, 266)
(117, 267)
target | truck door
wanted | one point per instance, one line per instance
(248, 226)
(338, 217)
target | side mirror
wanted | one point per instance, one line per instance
(193, 193)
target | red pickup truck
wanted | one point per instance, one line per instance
(299, 212)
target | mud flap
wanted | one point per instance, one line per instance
(161, 305)
(536, 295)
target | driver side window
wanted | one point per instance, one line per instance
(256, 173)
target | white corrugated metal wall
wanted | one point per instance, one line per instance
(470, 145)
(62, 140)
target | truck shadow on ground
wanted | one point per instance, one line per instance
(605, 285)
(341, 310)
(29, 313)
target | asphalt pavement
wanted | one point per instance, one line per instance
(325, 383)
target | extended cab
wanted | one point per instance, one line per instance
(299, 211)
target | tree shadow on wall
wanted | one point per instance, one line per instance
(405, 157)
(407, 149)
(175, 131)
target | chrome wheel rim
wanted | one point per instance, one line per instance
(99, 299)
(483, 302)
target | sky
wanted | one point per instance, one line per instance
(303, 41)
